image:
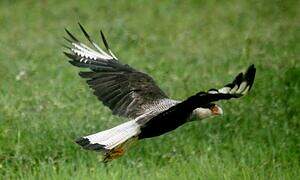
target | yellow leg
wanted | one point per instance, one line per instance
(113, 154)
(119, 150)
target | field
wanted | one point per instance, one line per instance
(186, 47)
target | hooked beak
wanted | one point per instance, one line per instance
(216, 110)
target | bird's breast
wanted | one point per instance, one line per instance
(163, 123)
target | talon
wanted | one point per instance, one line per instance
(115, 153)
(118, 151)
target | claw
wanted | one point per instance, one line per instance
(115, 153)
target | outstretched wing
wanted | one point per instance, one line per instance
(177, 115)
(126, 91)
(239, 86)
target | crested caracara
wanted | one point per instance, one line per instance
(134, 95)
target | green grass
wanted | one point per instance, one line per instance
(187, 47)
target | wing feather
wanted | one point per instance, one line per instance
(123, 89)
(241, 84)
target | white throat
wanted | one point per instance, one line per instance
(202, 113)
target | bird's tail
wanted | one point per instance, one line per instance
(112, 141)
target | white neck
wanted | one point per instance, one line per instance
(200, 113)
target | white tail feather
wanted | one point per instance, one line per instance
(113, 137)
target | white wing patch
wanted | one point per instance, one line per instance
(240, 85)
(84, 52)
(224, 90)
(87, 53)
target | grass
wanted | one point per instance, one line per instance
(187, 47)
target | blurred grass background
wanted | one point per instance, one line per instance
(187, 46)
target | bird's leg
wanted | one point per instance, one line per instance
(119, 150)
(114, 153)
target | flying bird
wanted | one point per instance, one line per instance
(134, 95)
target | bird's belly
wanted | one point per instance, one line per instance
(159, 126)
(162, 119)
(156, 130)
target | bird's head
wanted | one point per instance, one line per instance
(208, 111)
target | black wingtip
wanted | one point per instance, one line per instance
(104, 40)
(70, 56)
(238, 79)
(84, 32)
(71, 35)
(251, 68)
(250, 75)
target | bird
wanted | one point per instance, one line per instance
(134, 95)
